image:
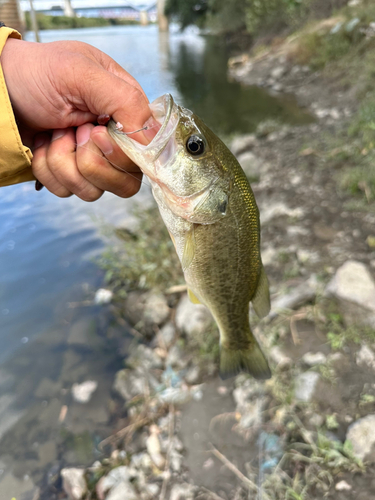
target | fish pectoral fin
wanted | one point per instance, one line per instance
(189, 249)
(261, 300)
(250, 360)
(193, 297)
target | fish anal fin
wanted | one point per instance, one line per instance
(189, 249)
(193, 297)
(261, 300)
(251, 360)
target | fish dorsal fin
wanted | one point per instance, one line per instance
(261, 300)
(189, 249)
(193, 297)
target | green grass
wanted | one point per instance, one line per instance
(143, 259)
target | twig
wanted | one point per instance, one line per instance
(129, 429)
(293, 326)
(176, 289)
(213, 495)
(167, 460)
(237, 472)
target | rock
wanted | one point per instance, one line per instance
(270, 211)
(156, 308)
(361, 435)
(278, 72)
(246, 391)
(74, 483)
(175, 460)
(193, 375)
(146, 357)
(316, 420)
(303, 293)
(153, 447)
(314, 358)
(166, 335)
(342, 486)
(103, 296)
(251, 413)
(123, 491)
(147, 308)
(305, 386)
(116, 476)
(280, 358)
(252, 165)
(184, 491)
(82, 392)
(192, 318)
(243, 143)
(176, 357)
(366, 357)
(133, 382)
(354, 287)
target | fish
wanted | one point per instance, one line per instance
(209, 209)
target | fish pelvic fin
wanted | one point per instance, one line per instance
(250, 360)
(261, 300)
(193, 298)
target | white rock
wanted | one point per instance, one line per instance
(156, 308)
(353, 283)
(243, 143)
(343, 486)
(166, 335)
(118, 475)
(361, 434)
(305, 386)
(123, 491)
(192, 318)
(278, 72)
(82, 392)
(103, 296)
(184, 491)
(314, 358)
(280, 358)
(366, 357)
(74, 483)
(269, 211)
(252, 165)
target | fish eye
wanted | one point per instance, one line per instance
(195, 145)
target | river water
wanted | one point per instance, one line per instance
(50, 335)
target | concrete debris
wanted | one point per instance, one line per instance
(361, 435)
(306, 385)
(82, 392)
(74, 483)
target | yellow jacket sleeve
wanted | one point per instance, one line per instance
(15, 158)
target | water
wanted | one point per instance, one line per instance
(47, 245)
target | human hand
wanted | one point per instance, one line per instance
(57, 91)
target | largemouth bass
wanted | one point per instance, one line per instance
(209, 209)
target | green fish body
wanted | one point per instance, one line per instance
(209, 209)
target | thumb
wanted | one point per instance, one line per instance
(107, 93)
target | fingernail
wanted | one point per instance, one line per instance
(38, 185)
(39, 141)
(58, 133)
(83, 134)
(152, 128)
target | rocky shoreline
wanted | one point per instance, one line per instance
(309, 431)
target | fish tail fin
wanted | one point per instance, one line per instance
(250, 360)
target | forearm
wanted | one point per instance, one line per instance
(15, 158)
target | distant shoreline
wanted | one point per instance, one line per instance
(64, 22)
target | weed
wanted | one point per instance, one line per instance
(143, 259)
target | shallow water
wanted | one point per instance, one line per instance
(49, 337)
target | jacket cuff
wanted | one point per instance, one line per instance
(15, 158)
